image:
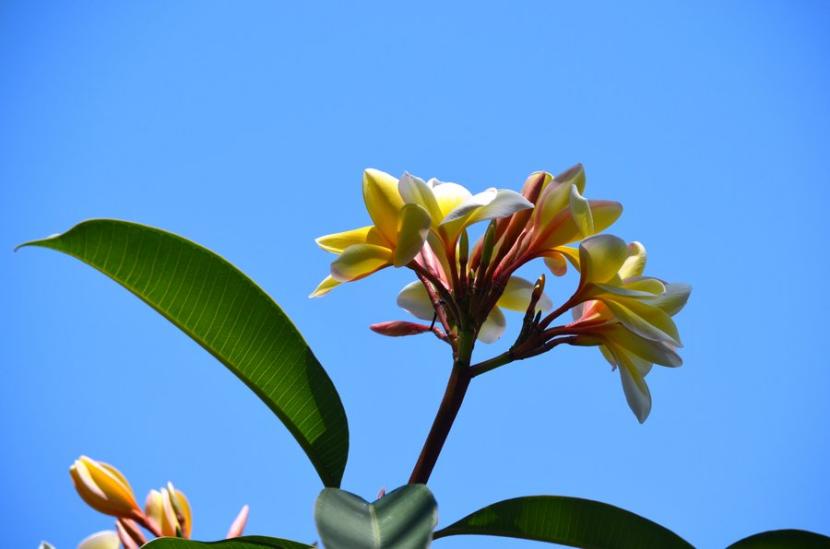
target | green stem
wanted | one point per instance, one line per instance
(492, 363)
(448, 410)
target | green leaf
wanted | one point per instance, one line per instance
(402, 519)
(783, 539)
(567, 521)
(245, 542)
(225, 312)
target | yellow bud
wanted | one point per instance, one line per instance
(170, 511)
(103, 488)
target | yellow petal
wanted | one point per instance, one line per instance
(581, 212)
(184, 507)
(632, 373)
(556, 263)
(337, 242)
(448, 195)
(360, 260)
(600, 257)
(412, 233)
(650, 350)
(106, 539)
(414, 190)
(645, 284)
(562, 229)
(493, 327)
(415, 299)
(383, 202)
(644, 320)
(552, 201)
(574, 175)
(636, 262)
(153, 506)
(169, 524)
(673, 299)
(327, 285)
(517, 293)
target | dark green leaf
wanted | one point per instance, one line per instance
(246, 542)
(225, 312)
(402, 519)
(567, 521)
(783, 539)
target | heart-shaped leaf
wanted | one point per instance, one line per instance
(783, 539)
(566, 521)
(246, 542)
(225, 312)
(402, 519)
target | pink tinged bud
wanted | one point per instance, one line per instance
(104, 488)
(238, 525)
(398, 328)
(381, 493)
(125, 536)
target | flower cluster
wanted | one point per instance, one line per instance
(166, 511)
(423, 225)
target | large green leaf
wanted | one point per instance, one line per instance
(783, 539)
(402, 519)
(225, 312)
(246, 542)
(567, 521)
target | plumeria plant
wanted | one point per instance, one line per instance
(459, 291)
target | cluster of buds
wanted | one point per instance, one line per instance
(166, 512)
(423, 225)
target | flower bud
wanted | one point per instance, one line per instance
(398, 328)
(170, 511)
(103, 488)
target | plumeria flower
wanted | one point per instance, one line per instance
(627, 315)
(170, 510)
(516, 297)
(405, 214)
(104, 488)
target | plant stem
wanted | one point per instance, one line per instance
(492, 363)
(447, 412)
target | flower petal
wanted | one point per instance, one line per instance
(574, 175)
(645, 320)
(493, 327)
(327, 285)
(581, 212)
(106, 539)
(414, 299)
(448, 195)
(414, 190)
(412, 233)
(517, 293)
(657, 352)
(337, 242)
(562, 229)
(673, 299)
(488, 204)
(600, 257)
(636, 262)
(556, 263)
(360, 260)
(383, 202)
(632, 372)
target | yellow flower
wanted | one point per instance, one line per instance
(170, 510)
(104, 488)
(626, 314)
(405, 213)
(562, 215)
(516, 297)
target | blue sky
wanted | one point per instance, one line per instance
(246, 126)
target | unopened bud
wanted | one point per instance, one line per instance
(103, 488)
(170, 511)
(238, 526)
(463, 248)
(534, 184)
(398, 328)
(487, 248)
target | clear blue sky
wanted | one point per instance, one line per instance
(245, 126)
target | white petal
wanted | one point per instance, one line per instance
(106, 539)
(632, 372)
(415, 299)
(492, 328)
(415, 191)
